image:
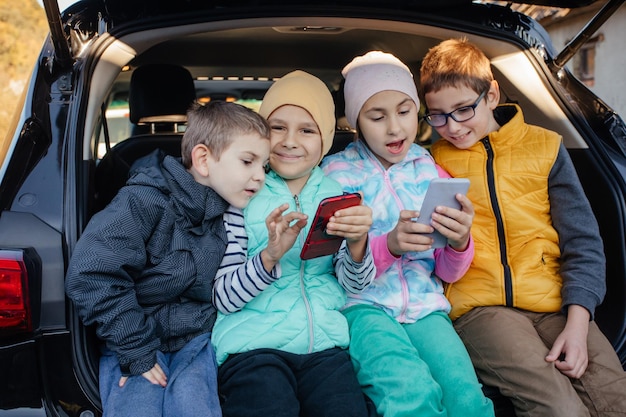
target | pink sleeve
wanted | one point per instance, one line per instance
(442, 172)
(382, 257)
(450, 265)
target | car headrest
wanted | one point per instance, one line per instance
(160, 93)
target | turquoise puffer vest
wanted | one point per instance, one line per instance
(298, 313)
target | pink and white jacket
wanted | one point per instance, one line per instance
(408, 287)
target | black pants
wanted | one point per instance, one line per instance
(272, 383)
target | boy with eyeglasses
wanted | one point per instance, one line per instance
(525, 307)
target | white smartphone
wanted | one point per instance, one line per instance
(441, 192)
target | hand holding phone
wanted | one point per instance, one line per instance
(318, 242)
(441, 192)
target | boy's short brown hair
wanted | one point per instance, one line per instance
(214, 125)
(455, 63)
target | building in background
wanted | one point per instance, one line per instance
(600, 64)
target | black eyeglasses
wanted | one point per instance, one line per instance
(462, 114)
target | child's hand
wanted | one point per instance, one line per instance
(154, 375)
(352, 223)
(281, 233)
(455, 224)
(569, 351)
(408, 235)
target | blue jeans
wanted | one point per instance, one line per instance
(191, 385)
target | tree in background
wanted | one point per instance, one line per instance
(23, 28)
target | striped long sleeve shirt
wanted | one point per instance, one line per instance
(240, 279)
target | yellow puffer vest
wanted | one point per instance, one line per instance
(516, 261)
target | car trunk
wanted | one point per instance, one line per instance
(68, 42)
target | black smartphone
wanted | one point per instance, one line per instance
(317, 242)
(441, 192)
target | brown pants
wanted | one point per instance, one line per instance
(508, 347)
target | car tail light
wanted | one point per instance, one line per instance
(14, 297)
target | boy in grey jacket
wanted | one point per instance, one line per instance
(142, 273)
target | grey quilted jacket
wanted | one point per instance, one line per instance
(143, 270)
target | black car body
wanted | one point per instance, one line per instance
(61, 162)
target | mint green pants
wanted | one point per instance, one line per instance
(417, 369)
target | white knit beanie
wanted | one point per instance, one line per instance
(372, 73)
(302, 89)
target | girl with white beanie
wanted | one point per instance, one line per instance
(407, 356)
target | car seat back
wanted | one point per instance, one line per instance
(159, 97)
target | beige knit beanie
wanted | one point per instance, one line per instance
(304, 90)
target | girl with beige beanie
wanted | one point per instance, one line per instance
(280, 337)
